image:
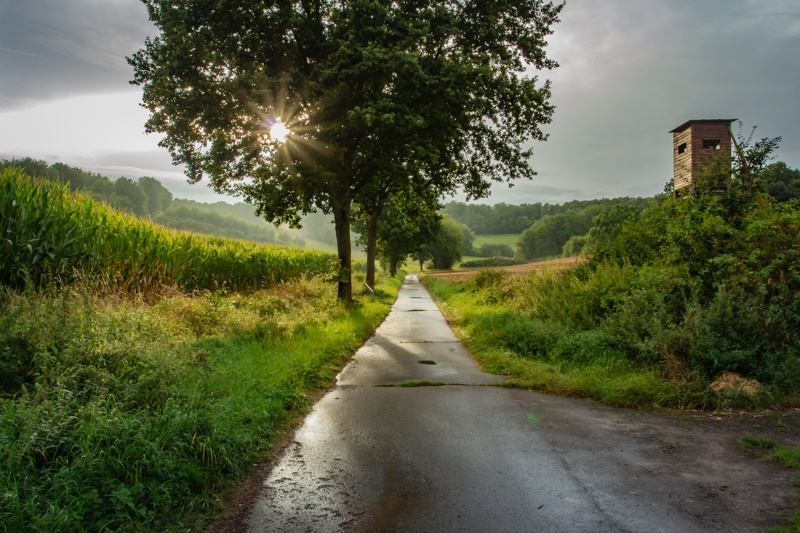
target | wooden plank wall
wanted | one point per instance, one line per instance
(682, 162)
(692, 162)
(701, 131)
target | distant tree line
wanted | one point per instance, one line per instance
(503, 219)
(544, 228)
(577, 227)
(548, 236)
(144, 197)
(441, 238)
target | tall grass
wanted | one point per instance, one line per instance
(621, 334)
(126, 416)
(48, 233)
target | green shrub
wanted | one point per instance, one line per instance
(700, 296)
(575, 246)
(488, 249)
(487, 278)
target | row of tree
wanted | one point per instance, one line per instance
(586, 230)
(387, 103)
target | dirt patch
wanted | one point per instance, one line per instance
(734, 382)
(539, 266)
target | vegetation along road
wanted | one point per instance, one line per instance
(414, 437)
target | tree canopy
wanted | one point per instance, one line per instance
(445, 249)
(375, 94)
(781, 181)
(408, 224)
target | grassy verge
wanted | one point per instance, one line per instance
(131, 416)
(543, 356)
(776, 452)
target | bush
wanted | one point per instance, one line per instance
(575, 246)
(495, 250)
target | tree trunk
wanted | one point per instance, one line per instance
(372, 246)
(393, 266)
(341, 219)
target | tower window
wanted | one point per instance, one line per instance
(711, 143)
(682, 148)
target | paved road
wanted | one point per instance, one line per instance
(469, 456)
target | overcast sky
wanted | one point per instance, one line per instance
(631, 70)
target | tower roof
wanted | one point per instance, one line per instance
(690, 122)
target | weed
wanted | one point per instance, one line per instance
(751, 442)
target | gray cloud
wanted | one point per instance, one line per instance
(52, 49)
(630, 71)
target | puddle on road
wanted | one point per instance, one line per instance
(427, 362)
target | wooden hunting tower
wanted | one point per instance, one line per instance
(694, 145)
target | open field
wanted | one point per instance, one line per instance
(540, 266)
(509, 239)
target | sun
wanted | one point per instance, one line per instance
(279, 132)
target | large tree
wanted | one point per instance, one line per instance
(434, 92)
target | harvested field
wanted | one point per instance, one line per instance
(550, 264)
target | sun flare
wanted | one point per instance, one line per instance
(279, 132)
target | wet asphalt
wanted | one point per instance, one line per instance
(473, 456)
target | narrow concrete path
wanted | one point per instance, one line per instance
(471, 457)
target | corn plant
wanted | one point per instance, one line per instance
(52, 234)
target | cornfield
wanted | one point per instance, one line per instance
(50, 234)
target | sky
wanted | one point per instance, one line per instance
(630, 71)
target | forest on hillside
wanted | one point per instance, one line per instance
(550, 230)
(502, 218)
